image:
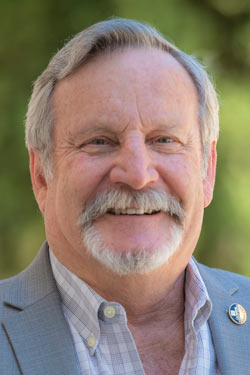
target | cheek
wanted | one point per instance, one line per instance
(83, 177)
(182, 177)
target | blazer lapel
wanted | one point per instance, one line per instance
(35, 324)
(231, 341)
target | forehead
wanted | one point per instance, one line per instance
(147, 80)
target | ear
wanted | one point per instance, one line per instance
(209, 179)
(39, 182)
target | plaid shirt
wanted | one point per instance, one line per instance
(103, 342)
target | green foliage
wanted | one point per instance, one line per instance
(216, 31)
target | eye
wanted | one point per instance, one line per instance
(98, 145)
(164, 140)
(98, 141)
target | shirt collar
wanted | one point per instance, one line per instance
(85, 307)
(82, 305)
(198, 306)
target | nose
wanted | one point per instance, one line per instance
(133, 165)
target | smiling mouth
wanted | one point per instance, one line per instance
(131, 211)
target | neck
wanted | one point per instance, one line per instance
(144, 297)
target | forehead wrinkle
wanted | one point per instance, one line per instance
(115, 109)
(95, 129)
(148, 115)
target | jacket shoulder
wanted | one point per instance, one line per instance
(218, 276)
(5, 286)
(29, 285)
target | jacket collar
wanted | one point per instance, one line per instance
(34, 323)
(231, 341)
(34, 283)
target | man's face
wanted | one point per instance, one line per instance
(126, 121)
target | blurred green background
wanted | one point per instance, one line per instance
(216, 31)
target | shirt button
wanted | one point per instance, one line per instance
(91, 341)
(109, 312)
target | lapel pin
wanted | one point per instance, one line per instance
(237, 314)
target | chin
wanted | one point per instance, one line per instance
(140, 260)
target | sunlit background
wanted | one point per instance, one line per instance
(216, 31)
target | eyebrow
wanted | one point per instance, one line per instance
(109, 128)
(88, 130)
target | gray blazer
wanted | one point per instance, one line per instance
(35, 338)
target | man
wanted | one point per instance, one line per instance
(121, 130)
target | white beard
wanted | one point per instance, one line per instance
(129, 261)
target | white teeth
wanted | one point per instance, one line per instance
(131, 211)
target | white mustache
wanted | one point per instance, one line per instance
(149, 200)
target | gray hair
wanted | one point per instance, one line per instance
(104, 36)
